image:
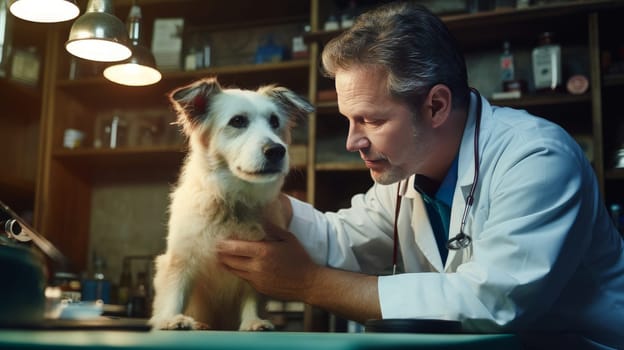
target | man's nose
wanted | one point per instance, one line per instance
(356, 140)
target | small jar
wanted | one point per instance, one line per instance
(70, 286)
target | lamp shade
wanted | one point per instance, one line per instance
(45, 11)
(140, 68)
(98, 35)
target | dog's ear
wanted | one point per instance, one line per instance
(293, 105)
(191, 101)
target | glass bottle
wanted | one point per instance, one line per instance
(117, 132)
(332, 22)
(506, 64)
(349, 15)
(299, 47)
(206, 54)
(547, 64)
(137, 306)
(125, 284)
(194, 57)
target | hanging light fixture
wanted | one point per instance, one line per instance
(140, 68)
(98, 35)
(45, 11)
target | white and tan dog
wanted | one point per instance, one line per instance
(236, 166)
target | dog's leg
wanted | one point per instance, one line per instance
(172, 284)
(249, 312)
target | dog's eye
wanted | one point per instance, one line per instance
(274, 121)
(238, 121)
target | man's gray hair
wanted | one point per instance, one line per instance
(411, 44)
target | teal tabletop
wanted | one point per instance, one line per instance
(89, 339)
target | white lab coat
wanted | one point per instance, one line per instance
(545, 255)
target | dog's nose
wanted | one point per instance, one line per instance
(274, 152)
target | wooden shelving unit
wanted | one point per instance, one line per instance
(20, 105)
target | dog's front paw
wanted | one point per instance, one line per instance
(181, 323)
(256, 325)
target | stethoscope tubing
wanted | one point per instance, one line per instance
(463, 240)
(460, 240)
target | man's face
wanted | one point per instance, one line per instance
(391, 141)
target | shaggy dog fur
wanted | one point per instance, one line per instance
(235, 168)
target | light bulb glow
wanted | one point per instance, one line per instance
(45, 11)
(132, 74)
(98, 50)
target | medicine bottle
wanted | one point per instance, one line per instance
(98, 287)
(138, 304)
(506, 64)
(547, 64)
(125, 284)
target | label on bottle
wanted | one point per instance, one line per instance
(507, 68)
(547, 67)
(299, 48)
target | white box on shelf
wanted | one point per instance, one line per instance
(167, 43)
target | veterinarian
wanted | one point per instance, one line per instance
(498, 214)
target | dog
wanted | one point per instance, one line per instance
(234, 170)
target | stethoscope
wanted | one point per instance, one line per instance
(462, 239)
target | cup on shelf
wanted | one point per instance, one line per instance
(73, 138)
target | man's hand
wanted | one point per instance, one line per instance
(278, 266)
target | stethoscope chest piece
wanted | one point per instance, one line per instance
(460, 241)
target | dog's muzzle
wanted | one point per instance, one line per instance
(274, 152)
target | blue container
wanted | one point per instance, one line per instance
(93, 290)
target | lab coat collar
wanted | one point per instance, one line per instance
(465, 166)
(465, 174)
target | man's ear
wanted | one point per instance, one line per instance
(438, 104)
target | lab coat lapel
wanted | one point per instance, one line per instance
(423, 234)
(465, 177)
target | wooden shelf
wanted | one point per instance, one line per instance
(17, 193)
(20, 94)
(548, 12)
(220, 14)
(327, 107)
(229, 71)
(542, 100)
(614, 174)
(340, 166)
(121, 158)
(321, 36)
(468, 27)
(292, 74)
(613, 80)
(141, 158)
(298, 156)
(331, 107)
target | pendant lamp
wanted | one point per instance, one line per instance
(140, 68)
(44, 11)
(98, 35)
